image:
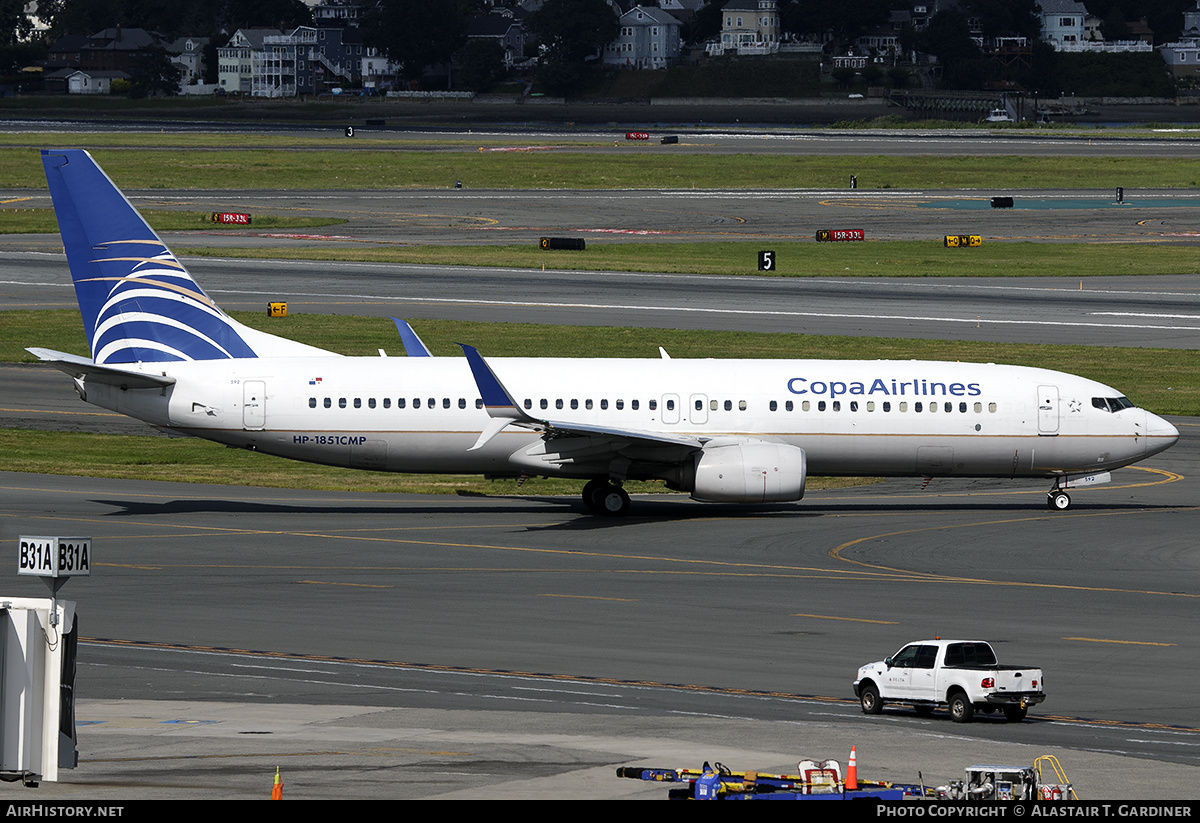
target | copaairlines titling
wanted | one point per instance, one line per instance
(742, 431)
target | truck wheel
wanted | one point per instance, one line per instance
(869, 698)
(961, 709)
(1015, 713)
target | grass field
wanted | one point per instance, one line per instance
(635, 166)
(41, 221)
(799, 258)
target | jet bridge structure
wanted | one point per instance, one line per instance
(37, 688)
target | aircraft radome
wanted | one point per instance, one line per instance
(741, 431)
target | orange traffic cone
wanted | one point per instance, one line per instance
(277, 789)
(852, 772)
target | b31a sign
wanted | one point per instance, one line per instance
(55, 556)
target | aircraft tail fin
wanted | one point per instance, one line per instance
(139, 303)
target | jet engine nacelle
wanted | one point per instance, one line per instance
(749, 473)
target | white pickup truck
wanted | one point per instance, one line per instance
(960, 674)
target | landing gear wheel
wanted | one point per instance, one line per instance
(609, 500)
(1015, 713)
(1058, 500)
(961, 710)
(589, 494)
(605, 498)
(868, 698)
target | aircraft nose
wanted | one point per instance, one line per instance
(1160, 434)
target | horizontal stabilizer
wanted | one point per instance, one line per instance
(83, 368)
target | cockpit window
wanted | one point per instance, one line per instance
(1112, 404)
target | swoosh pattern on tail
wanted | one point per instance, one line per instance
(138, 302)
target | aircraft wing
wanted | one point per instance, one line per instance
(505, 411)
(84, 368)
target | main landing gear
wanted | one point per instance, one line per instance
(605, 498)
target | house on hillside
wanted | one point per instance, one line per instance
(505, 28)
(748, 27)
(234, 59)
(648, 39)
(83, 81)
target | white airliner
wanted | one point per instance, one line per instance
(743, 431)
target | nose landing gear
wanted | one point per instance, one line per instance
(1058, 500)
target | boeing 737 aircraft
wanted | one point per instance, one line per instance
(742, 431)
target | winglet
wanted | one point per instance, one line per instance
(496, 398)
(413, 345)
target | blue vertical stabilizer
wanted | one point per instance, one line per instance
(139, 304)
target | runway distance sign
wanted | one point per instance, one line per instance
(54, 556)
(231, 217)
(841, 234)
